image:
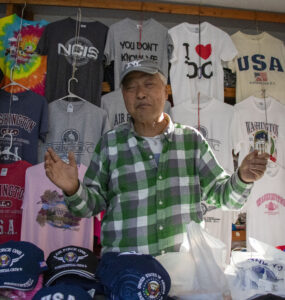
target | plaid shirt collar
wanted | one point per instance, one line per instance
(168, 131)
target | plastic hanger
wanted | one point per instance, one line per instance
(12, 82)
(7, 151)
(70, 94)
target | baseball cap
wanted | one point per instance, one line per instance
(146, 66)
(133, 276)
(62, 291)
(21, 264)
(70, 260)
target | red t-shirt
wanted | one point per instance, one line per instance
(12, 184)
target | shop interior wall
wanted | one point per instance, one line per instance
(110, 16)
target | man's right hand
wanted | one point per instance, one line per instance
(63, 175)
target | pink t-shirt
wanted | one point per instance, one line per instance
(46, 220)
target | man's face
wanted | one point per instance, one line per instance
(144, 96)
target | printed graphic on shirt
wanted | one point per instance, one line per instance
(21, 45)
(262, 137)
(271, 203)
(79, 50)
(257, 63)
(55, 212)
(214, 144)
(121, 118)
(202, 69)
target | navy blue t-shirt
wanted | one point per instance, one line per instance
(25, 115)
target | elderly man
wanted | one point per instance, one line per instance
(150, 175)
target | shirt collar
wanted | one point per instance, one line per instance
(168, 131)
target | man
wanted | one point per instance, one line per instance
(150, 175)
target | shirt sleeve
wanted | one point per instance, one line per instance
(42, 47)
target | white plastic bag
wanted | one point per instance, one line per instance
(196, 272)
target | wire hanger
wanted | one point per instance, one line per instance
(19, 37)
(7, 151)
(74, 68)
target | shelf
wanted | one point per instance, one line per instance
(160, 7)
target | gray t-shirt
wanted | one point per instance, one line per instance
(113, 103)
(128, 40)
(58, 42)
(74, 126)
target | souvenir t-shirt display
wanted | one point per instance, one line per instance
(213, 119)
(260, 64)
(23, 115)
(196, 63)
(129, 40)
(46, 221)
(266, 209)
(113, 103)
(18, 41)
(66, 42)
(259, 124)
(74, 126)
(12, 184)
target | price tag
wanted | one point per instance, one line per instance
(15, 98)
(70, 108)
(4, 172)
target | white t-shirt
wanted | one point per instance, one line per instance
(190, 52)
(46, 221)
(266, 209)
(250, 131)
(215, 125)
(260, 63)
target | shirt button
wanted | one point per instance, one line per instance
(162, 251)
(151, 157)
(160, 227)
(160, 202)
(159, 177)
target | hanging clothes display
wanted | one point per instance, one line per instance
(213, 119)
(129, 40)
(259, 124)
(113, 103)
(62, 45)
(265, 209)
(196, 63)
(19, 39)
(46, 220)
(12, 183)
(24, 115)
(74, 126)
(260, 63)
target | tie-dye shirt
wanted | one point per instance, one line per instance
(31, 67)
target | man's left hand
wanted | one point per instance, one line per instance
(253, 166)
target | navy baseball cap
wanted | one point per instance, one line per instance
(21, 263)
(62, 291)
(145, 66)
(70, 260)
(133, 276)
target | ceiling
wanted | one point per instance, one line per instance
(260, 5)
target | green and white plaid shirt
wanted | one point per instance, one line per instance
(148, 205)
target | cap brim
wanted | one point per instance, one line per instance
(138, 69)
(21, 282)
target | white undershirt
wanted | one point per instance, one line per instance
(155, 144)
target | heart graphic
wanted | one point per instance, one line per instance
(204, 51)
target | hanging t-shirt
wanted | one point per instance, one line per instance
(215, 118)
(129, 40)
(113, 103)
(61, 45)
(266, 209)
(260, 63)
(259, 124)
(196, 63)
(31, 67)
(12, 184)
(46, 220)
(25, 116)
(74, 126)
